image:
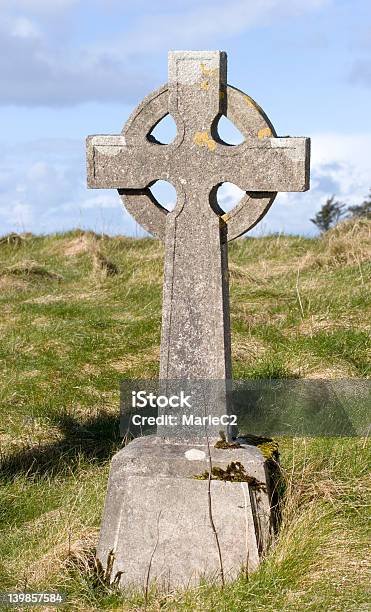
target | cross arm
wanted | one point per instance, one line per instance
(111, 163)
(273, 164)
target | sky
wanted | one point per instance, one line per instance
(69, 68)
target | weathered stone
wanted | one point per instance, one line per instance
(157, 519)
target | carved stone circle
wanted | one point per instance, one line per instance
(246, 115)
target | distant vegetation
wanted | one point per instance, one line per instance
(79, 312)
(332, 211)
(362, 210)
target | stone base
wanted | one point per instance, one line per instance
(156, 518)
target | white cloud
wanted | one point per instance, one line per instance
(37, 171)
(184, 25)
(16, 215)
(25, 28)
(100, 201)
(35, 72)
(351, 154)
(37, 5)
(44, 190)
(43, 63)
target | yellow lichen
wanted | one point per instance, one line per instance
(202, 139)
(207, 72)
(264, 133)
(249, 102)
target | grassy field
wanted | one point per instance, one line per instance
(79, 312)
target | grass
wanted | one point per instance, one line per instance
(79, 312)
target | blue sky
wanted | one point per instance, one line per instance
(69, 68)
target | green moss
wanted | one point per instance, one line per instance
(223, 442)
(269, 450)
(267, 446)
(227, 445)
(234, 472)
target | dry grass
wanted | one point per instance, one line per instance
(315, 323)
(310, 368)
(81, 244)
(240, 274)
(15, 239)
(247, 348)
(30, 269)
(142, 358)
(59, 557)
(9, 283)
(102, 267)
(349, 243)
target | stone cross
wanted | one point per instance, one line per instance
(163, 522)
(195, 341)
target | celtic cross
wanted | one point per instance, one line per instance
(158, 515)
(195, 341)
